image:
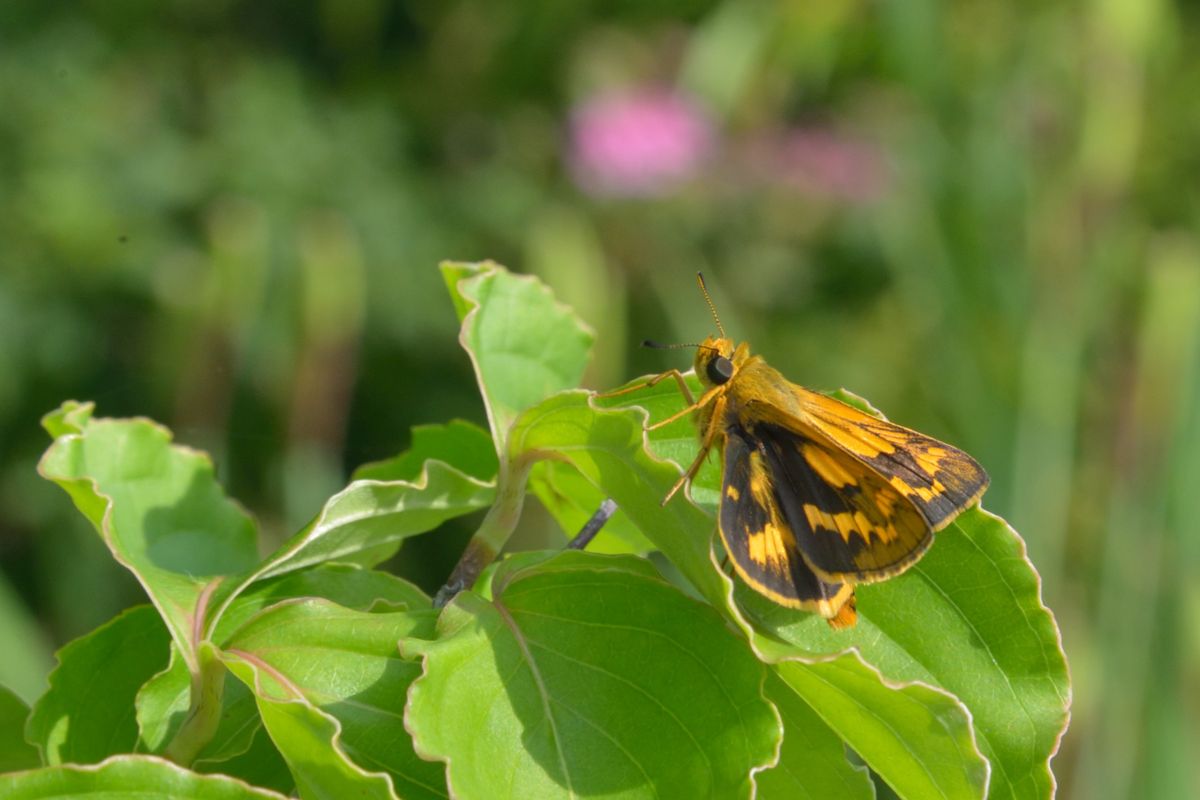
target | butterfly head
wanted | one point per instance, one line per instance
(714, 361)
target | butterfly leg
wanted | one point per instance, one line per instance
(687, 476)
(706, 443)
(673, 373)
(704, 400)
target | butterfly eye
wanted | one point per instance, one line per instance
(720, 370)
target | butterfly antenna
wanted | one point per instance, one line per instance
(660, 346)
(711, 307)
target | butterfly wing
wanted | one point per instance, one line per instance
(862, 496)
(940, 480)
(762, 546)
(848, 522)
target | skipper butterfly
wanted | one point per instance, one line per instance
(817, 496)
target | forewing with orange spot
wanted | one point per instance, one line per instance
(940, 480)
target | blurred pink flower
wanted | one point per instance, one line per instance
(821, 160)
(637, 143)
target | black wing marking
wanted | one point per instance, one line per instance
(850, 523)
(759, 541)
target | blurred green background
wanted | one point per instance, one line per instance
(983, 216)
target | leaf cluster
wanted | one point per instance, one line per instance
(557, 673)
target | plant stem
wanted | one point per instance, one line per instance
(493, 532)
(204, 715)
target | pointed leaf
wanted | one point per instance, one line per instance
(523, 344)
(347, 585)
(157, 508)
(71, 417)
(367, 514)
(589, 676)
(344, 663)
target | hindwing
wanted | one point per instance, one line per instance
(848, 522)
(759, 540)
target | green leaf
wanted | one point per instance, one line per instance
(28, 655)
(367, 514)
(607, 446)
(677, 442)
(459, 444)
(126, 776)
(916, 737)
(523, 344)
(1001, 655)
(87, 713)
(347, 585)
(572, 500)
(260, 765)
(157, 508)
(309, 742)
(15, 752)
(812, 762)
(163, 701)
(239, 747)
(968, 617)
(71, 417)
(344, 664)
(370, 516)
(589, 676)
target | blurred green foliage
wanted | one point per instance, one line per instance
(982, 215)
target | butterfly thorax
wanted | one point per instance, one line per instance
(744, 385)
(743, 378)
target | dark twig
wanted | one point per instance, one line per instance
(593, 525)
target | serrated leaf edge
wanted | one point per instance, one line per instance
(182, 637)
(1041, 609)
(487, 269)
(140, 757)
(822, 658)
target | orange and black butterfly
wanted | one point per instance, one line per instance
(816, 495)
